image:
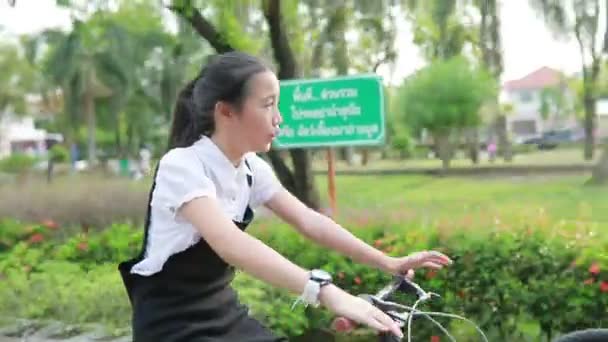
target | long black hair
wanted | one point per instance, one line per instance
(223, 78)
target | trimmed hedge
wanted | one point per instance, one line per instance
(516, 284)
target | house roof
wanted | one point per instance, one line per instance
(538, 79)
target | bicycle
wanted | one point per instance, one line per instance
(587, 335)
(404, 315)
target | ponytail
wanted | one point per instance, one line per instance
(182, 127)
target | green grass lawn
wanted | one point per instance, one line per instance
(470, 201)
(452, 201)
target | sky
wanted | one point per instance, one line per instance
(527, 44)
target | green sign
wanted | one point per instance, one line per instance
(331, 112)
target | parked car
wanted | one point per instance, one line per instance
(529, 140)
(551, 139)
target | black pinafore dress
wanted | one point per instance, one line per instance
(190, 299)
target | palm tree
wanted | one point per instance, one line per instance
(75, 67)
(490, 47)
(16, 78)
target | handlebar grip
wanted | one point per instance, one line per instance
(343, 324)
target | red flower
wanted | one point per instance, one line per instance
(83, 246)
(588, 281)
(431, 274)
(50, 224)
(435, 338)
(36, 238)
(604, 286)
(357, 280)
(594, 268)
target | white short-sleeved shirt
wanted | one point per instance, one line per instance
(197, 171)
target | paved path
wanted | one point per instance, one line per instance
(30, 331)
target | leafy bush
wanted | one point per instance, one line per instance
(64, 290)
(516, 284)
(118, 242)
(500, 279)
(17, 163)
(403, 143)
(26, 246)
(59, 154)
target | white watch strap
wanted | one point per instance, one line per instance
(310, 295)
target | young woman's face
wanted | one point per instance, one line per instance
(258, 122)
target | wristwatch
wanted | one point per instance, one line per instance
(317, 279)
(321, 277)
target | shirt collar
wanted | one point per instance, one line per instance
(207, 148)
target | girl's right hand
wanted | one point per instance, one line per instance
(357, 309)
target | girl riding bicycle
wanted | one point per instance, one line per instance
(200, 204)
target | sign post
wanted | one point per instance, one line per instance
(330, 112)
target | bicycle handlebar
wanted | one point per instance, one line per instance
(399, 283)
(402, 314)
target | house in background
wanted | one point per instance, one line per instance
(601, 124)
(18, 134)
(526, 97)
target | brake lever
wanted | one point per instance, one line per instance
(401, 284)
(389, 289)
(382, 304)
(399, 317)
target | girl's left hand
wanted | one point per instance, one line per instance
(428, 259)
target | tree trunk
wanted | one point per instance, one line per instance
(347, 154)
(385, 153)
(490, 44)
(472, 142)
(600, 171)
(49, 170)
(202, 26)
(89, 109)
(590, 76)
(444, 148)
(364, 156)
(304, 180)
(117, 135)
(305, 188)
(129, 144)
(504, 145)
(337, 32)
(117, 142)
(589, 125)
